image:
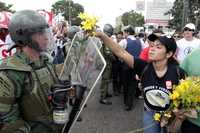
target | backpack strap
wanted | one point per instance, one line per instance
(178, 72)
(142, 75)
(143, 71)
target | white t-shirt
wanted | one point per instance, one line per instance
(185, 47)
(113, 37)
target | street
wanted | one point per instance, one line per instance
(99, 118)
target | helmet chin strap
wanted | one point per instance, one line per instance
(34, 45)
(11, 47)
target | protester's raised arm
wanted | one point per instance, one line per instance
(116, 49)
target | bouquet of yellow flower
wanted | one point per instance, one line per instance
(185, 102)
(88, 23)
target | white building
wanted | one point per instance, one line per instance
(155, 12)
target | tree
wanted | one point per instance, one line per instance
(193, 12)
(69, 10)
(176, 13)
(132, 18)
(4, 7)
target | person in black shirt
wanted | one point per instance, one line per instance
(157, 76)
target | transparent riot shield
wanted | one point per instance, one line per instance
(83, 66)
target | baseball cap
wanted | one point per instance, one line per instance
(169, 43)
(152, 37)
(190, 26)
(155, 35)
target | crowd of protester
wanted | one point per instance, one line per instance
(156, 64)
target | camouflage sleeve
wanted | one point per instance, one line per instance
(10, 120)
(107, 53)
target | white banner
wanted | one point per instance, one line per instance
(3, 51)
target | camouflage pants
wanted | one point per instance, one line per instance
(106, 77)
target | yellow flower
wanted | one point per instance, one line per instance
(174, 95)
(176, 104)
(184, 85)
(167, 115)
(82, 15)
(88, 21)
(157, 117)
(184, 96)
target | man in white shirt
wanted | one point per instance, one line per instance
(128, 32)
(133, 46)
(187, 44)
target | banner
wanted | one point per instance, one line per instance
(3, 51)
(47, 15)
(5, 19)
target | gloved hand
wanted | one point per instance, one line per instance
(58, 94)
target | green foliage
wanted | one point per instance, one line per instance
(177, 13)
(117, 28)
(195, 12)
(4, 7)
(132, 18)
(69, 10)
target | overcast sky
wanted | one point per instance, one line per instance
(106, 10)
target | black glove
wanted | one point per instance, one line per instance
(58, 94)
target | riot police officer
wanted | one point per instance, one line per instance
(26, 78)
(106, 76)
(70, 34)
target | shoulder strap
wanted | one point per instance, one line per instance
(178, 72)
(143, 71)
(142, 76)
(127, 40)
(5, 85)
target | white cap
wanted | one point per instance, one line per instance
(190, 26)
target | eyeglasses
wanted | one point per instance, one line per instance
(187, 29)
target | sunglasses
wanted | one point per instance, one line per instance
(187, 29)
(176, 36)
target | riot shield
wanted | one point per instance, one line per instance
(83, 66)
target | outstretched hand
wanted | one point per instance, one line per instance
(99, 34)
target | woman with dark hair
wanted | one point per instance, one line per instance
(157, 76)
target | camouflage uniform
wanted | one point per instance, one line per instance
(24, 85)
(106, 76)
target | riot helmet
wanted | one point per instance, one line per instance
(72, 31)
(24, 25)
(108, 29)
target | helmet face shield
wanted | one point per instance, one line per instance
(29, 28)
(43, 40)
(108, 29)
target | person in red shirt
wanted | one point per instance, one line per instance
(150, 39)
